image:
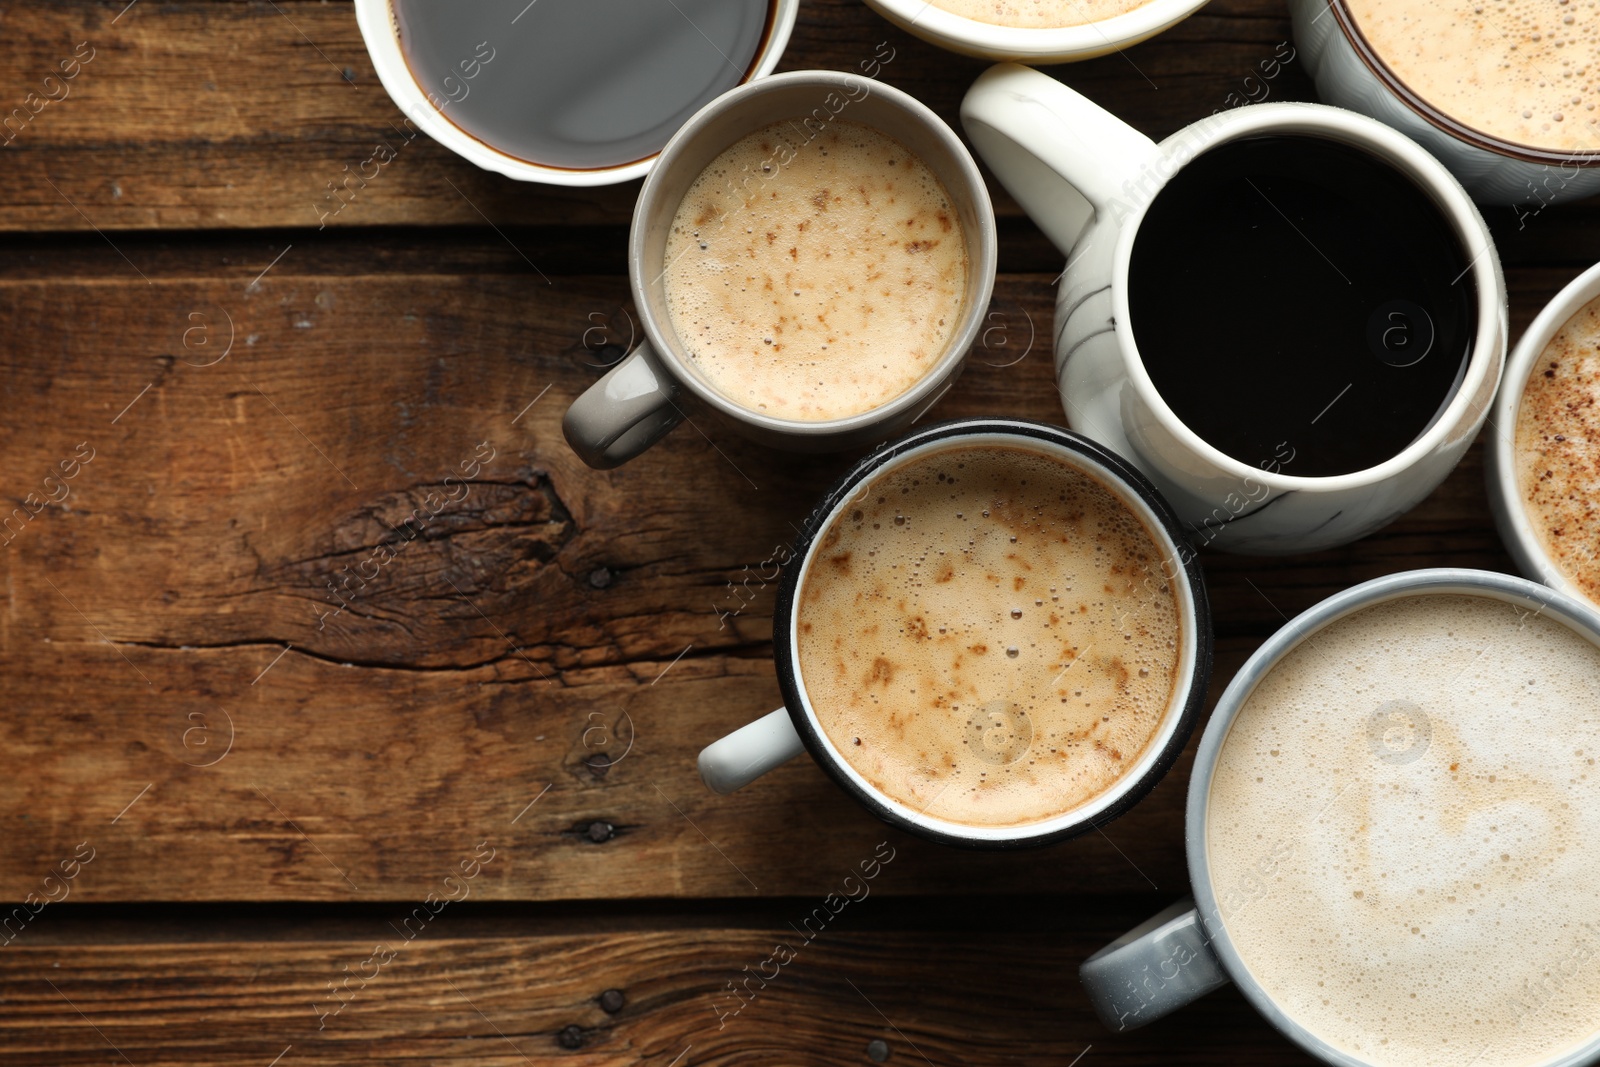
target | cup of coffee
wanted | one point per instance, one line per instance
(811, 259)
(987, 635)
(1544, 481)
(567, 93)
(1393, 834)
(1035, 31)
(1500, 92)
(1289, 316)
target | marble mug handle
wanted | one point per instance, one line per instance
(1064, 158)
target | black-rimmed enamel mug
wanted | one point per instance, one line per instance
(750, 752)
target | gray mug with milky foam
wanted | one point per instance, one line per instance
(643, 397)
(1188, 950)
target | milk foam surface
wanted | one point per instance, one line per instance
(1558, 449)
(1404, 834)
(1522, 71)
(1039, 14)
(815, 279)
(986, 635)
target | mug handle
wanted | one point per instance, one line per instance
(624, 413)
(1063, 158)
(1153, 970)
(749, 752)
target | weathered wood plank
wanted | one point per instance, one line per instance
(198, 114)
(154, 604)
(446, 999)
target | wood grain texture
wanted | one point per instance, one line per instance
(266, 790)
(978, 998)
(201, 114)
(545, 620)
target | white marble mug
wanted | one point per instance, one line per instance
(1087, 179)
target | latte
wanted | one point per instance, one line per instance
(986, 637)
(1521, 71)
(1402, 832)
(1039, 14)
(813, 276)
(1558, 450)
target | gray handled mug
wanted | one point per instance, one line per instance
(1187, 951)
(641, 399)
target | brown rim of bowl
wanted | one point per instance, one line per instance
(1437, 118)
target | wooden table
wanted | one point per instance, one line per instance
(459, 821)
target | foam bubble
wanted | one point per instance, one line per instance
(910, 637)
(1402, 834)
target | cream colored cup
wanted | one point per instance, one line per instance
(1065, 44)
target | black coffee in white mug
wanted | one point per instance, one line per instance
(1346, 299)
(579, 84)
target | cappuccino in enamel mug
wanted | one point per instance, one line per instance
(986, 636)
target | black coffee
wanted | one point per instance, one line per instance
(1297, 298)
(578, 84)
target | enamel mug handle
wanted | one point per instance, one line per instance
(1065, 159)
(1153, 969)
(624, 413)
(749, 752)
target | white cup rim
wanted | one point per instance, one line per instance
(1433, 178)
(1024, 43)
(1580, 616)
(376, 21)
(1505, 496)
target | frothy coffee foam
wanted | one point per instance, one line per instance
(1521, 71)
(986, 635)
(815, 280)
(1039, 14)
(1558, 449)
(1404, 834)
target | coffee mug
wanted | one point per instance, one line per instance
(598, 121)
(750, 752)
(1034, 44)
(1369, 784)
(639, 400)
(1506, 494)
(1089, 181)
(1350, 73)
